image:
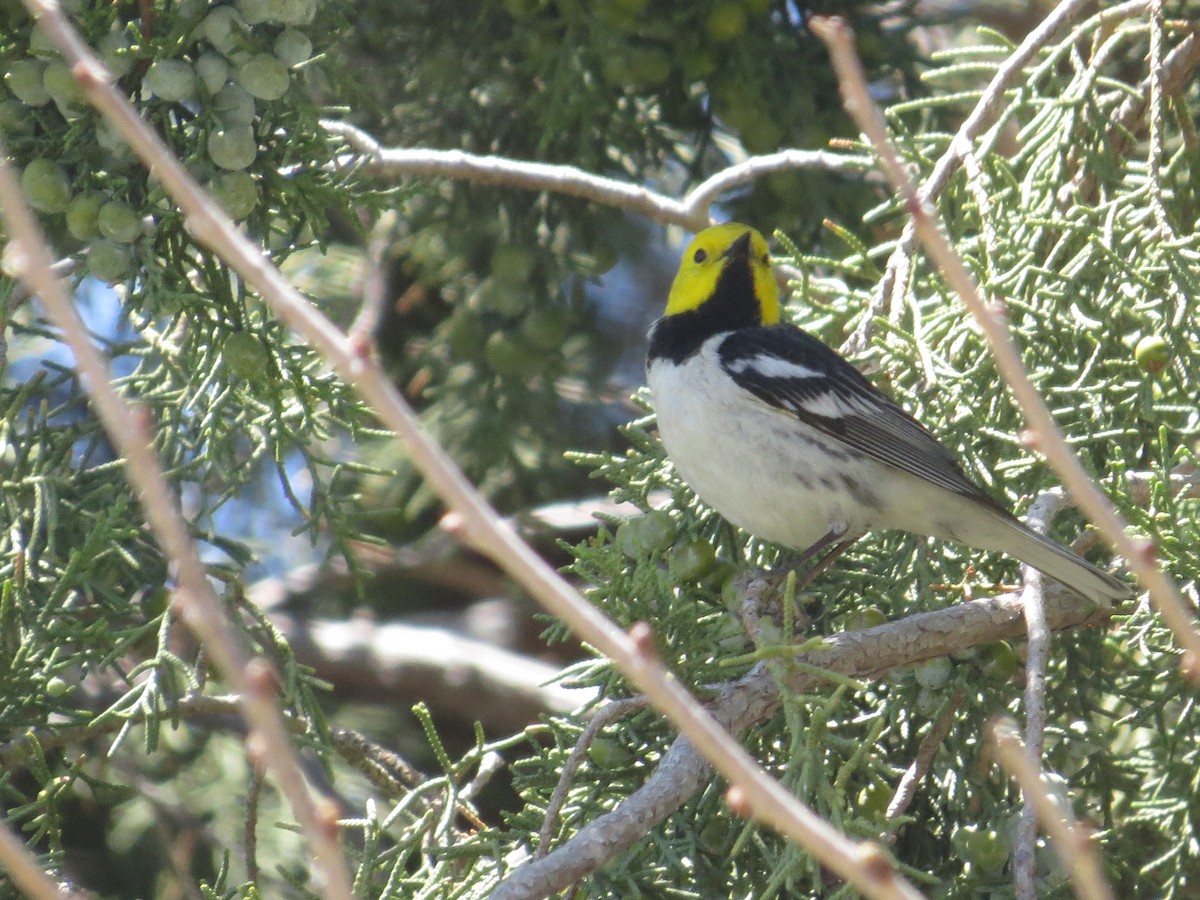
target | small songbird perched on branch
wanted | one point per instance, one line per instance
(786, 439)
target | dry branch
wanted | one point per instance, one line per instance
(752, 699)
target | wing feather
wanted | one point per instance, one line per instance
(791, 370)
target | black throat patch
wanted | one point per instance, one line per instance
(732, 305)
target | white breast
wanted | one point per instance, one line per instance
(760, 467)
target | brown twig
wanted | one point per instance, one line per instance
(756, 696)
(1073, 843)
(1041, 512)
(906, 789)
(195, 601)
(1174, 74)
(1049, 439)
(602, 718)
(250, 825)
(375, 280)
(24, 869)
(991, 104)
(505, 691)
(691, 212)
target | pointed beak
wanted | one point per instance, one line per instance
(739, 249)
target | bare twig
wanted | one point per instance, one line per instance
(690, 213)
(603, 717)
(1043, 429)
(491, 763)
(1173, 76)
(1041, 512)
(990, 106)
(195, 601)
(756, 696)
(250, 825)
(906, 789)
(375, 280)
(860, 863)
(504, 690)
(24, 869)
(1073, 843)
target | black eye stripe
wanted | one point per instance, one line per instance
(700, 256)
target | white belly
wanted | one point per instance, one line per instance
(768, 472)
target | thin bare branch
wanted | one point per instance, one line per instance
(1073, 843)
(375, 281)
(603, 717)
(1041, 512)
(1044, 431)
(692, 212)
(989, 108)
(906, 789)
(755, 697)
(195, 601)
(505, 691)
(23, 868)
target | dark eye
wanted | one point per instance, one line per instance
(700, 256)
(766, 259)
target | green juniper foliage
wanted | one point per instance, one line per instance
(1065, 218)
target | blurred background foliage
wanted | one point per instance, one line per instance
(514, 322)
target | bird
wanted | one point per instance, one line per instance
(787, 440)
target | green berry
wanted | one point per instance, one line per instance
(726, 22)
(233, 106)
(115, 53)
(464, 335)
(873, 800)
(999, 661)
(265, 77)
(41, 45)
(46, 186)
(225, 29)
(246, 356)
(118, 222)
(232, 148)
(700, 62)
(506, 354)
(213, 72)
(14, 117)
(546, 326)
(112, 143)
(108, 261)
(24, 79)
(57, 687)
(655, 531)
(649, 67)
(63, 88)
(986, 849)
(171, 79)
(292, 47)
(1153, 353)
(293, 12)
(82, 215)
(928, 702)
(935, 672)
(692, 560)
(624, 540)
(867, 617)
(609, 753)
(255, 12)
(236, 192)
(512, 264)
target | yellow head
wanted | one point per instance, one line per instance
(722, 263)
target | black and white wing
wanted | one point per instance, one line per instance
(793, 371)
